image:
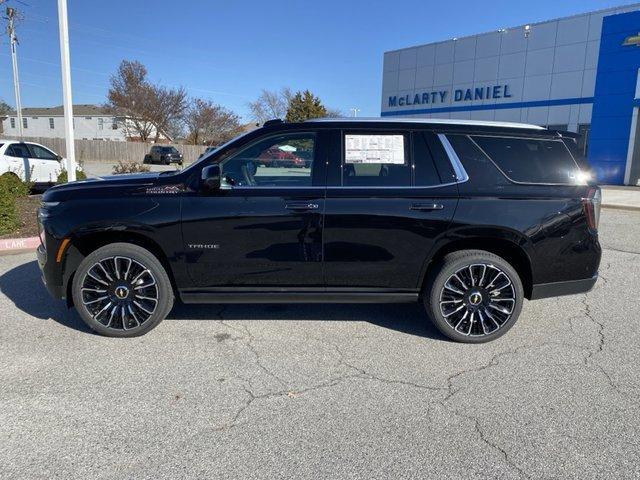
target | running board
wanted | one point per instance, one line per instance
(297, 297)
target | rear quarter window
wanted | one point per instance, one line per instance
(530, 160)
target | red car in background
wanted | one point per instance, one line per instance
(275, 157)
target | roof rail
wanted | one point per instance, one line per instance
(275, 121)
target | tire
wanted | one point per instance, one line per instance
(483, 311)
(129, 277)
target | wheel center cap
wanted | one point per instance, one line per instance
(122, 292)
(475, 299)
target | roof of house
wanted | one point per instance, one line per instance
(80, 110)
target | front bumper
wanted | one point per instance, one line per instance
(56, 291)
(557, 289)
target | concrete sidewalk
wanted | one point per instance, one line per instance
(626, 198)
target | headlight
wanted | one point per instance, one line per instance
(49, 204)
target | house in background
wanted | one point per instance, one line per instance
(90, 122)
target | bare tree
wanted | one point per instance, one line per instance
(334, 113)
(209, 123)
(270, 104)
(144, 109)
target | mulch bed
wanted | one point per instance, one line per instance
(27, 208)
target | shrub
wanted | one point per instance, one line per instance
(129, 167)
(63, 177)
(12, 185)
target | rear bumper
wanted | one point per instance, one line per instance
(557, 289)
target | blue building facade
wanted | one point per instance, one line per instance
(578, 73)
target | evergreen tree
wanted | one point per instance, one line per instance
(303, 106)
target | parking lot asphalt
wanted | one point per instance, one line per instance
(325, 391)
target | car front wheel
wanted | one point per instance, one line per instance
(473, 296)
(122, 290)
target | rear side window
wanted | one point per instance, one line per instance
(376, 160)
(18, 150)
(530, 160)
(432, 165)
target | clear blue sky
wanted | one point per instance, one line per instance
(228, 51)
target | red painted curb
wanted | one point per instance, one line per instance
(13, 245)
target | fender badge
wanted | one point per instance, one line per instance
(203, 246)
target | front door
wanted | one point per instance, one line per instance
(263, 228)
(390, 196)
(45, 165)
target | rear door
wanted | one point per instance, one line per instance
(390, 195)
(18, 155)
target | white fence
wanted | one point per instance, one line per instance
(109, 151)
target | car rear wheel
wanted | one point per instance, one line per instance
(473, 296)
(122, 290)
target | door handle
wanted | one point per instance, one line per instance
(301, 206)
(425, 207)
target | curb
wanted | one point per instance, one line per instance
(10, 246)
(621, 206)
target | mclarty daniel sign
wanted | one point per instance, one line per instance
(437, 97)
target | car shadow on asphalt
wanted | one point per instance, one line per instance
(24, 287)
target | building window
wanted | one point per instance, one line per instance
(52, 125)
(114, 124)
(100, 123)
(24, 122)
(13, 122)
(87, 118)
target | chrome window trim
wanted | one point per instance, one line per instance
(458, 168)
(526, 138)
(338, 187)
(428, 121)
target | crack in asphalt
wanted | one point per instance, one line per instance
(247, 336)
(485, 439)
(620, 250)
(252, 397)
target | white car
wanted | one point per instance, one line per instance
(31, 162)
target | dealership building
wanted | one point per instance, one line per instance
(578, 73)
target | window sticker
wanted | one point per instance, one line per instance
(375, 149)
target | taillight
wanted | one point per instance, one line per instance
(591, 205)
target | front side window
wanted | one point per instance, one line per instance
(41, 152)
(376, 160)
(279, 161)
(530, 160)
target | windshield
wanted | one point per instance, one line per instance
(168, 150)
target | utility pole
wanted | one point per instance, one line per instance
(66, 89)
(13, 42)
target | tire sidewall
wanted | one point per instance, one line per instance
(450, 265)
(139, 254)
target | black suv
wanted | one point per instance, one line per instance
(163, 155)
(469, 218)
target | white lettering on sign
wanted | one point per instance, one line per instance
(374, 149)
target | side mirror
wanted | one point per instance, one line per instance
(211, 178)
